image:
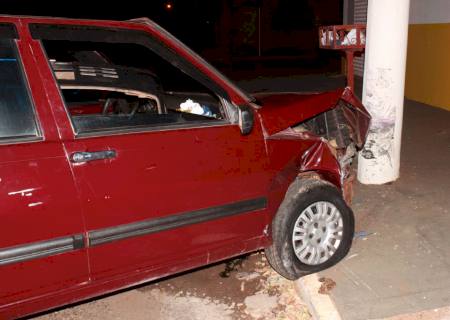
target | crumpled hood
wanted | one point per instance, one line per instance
(283, 110)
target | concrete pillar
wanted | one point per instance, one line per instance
(383, 89)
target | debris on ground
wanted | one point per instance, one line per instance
(247, 276)
(289, 305)
(231, 266)
(246, 289)
(327, 285)
(362, 235)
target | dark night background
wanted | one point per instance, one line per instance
(244, 38)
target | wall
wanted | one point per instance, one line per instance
(428, 63)
(359, 16)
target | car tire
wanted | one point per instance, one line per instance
(332, 234)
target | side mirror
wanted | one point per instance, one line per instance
(245, 118)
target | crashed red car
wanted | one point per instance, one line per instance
(125, 157)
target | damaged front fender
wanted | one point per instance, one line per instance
(314, 154)
(336, 115)
(325, 142)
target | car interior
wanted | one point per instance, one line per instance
(106, 90)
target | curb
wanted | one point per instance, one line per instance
(321, 306)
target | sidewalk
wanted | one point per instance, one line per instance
(400, 263)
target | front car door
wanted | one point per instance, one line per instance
(41, 227)
(166, 179)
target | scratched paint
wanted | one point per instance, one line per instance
(24, 192)
(35, 204)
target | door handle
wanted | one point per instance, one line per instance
(78, 157)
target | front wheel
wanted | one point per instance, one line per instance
(312, 230)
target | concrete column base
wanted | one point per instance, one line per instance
(375, 161)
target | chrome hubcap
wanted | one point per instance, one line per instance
(317, 233)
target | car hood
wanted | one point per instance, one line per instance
(280, 111)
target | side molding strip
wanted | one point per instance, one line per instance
(40, 249)
(101, 236)
(51, 247)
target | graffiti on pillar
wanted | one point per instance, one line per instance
(381, 105)
(379, 144)
(378, 99)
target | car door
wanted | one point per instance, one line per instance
(41, 227)
(164, 174)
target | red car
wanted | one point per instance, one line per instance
(125, 157)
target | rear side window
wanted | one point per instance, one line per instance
(17, 118)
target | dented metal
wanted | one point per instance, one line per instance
(145, 193)
(330, 128)
(283, 110)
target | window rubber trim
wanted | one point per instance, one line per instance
(155, 128)
(26, 83)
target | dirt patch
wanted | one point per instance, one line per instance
(190, 307)
(251, 290)
(260, 305)
(327, 285)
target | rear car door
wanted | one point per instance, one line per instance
(41, 227)
(166, 179)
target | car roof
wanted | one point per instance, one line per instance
(64, 20)
(32, 17)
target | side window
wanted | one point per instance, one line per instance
(17, 118)
(117, 86)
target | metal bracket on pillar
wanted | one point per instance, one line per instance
(348, 38)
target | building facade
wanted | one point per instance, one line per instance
(428, 63)
(428, 66)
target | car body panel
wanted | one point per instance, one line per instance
(151, 168)
(38, 203)
(283, 110)
(280, 111)
(357, 117)
(227, 186)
